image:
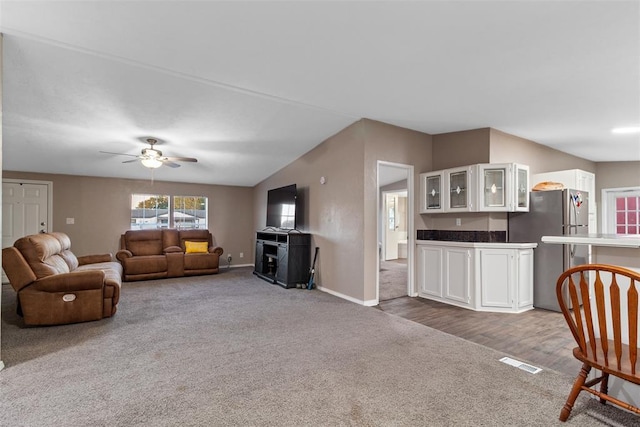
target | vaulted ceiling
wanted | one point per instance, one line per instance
(248, 87)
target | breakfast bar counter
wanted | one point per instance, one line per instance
(614, 240)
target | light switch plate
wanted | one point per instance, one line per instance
(71, 220)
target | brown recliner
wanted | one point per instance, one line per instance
(56, 287)
(159, 254)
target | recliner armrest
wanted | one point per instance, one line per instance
(123, 254)
(172, 249)
(69, 282)
(93, 259)
(217, 250)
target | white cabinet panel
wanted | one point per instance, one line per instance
(503, 187)
(460, 188)
(457, 275)
(496, 276)
(432, 192)
(525, 279)
(429, 271)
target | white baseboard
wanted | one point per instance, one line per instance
(236, 266)
(369, 303)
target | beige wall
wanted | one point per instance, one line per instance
(489, 145)
(101, 209)
(333, 211)
(461, 148)
(506, 148)
(616, 175)
(392, 144)
(342, 214)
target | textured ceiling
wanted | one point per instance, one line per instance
(248, 87)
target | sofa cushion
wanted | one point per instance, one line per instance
(144, 242)
(145, 264)
(66, 254)
(42, 253)
(195, 236)
(200, 261)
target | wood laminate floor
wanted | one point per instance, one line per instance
(538, 337)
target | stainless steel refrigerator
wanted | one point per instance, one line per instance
(552, 213)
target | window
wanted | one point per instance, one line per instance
(190, 212)
(149, 211)
(153, 211)
(621, 210)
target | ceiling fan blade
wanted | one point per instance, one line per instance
(118, 154)
(169, 163)
(182, 159)
(130, 161)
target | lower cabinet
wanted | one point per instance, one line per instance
(457, 276)
(429, 277)
(444, 274)
(506, 279)
(494, 277)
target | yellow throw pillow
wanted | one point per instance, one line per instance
(196, 247)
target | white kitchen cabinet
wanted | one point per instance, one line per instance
(429, 271)
(579, 180)
(506, 280)
(431, 192)
(503, 187)
(460, 188)
(496, 277)
(444, 274)
(457, 276)
(483, 187)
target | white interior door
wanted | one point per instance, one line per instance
(25, 210)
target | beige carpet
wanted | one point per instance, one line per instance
(392, 279)
(233, 350)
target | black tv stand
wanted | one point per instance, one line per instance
(283, 257)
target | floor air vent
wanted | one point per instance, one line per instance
(520, 365)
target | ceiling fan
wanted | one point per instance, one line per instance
(152, 158)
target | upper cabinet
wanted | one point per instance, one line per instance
(461, 189)
(431, 192)
(503, 187)
(483, 187)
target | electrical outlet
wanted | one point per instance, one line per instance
(241, 254)
(229, 258)
(458, 222)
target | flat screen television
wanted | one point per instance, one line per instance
(281, 207)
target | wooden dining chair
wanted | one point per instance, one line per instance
(602, 314)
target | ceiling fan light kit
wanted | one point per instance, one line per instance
(151, 163)
(153, 159)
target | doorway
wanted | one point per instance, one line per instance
(395, 231)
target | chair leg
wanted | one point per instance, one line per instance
(604, 387)
(575, 391)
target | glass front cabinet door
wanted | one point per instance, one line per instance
(431, 195)
(461, 190)
(521, 173)
(503, 187)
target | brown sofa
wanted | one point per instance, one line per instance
(56, 287)
(159, 254)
